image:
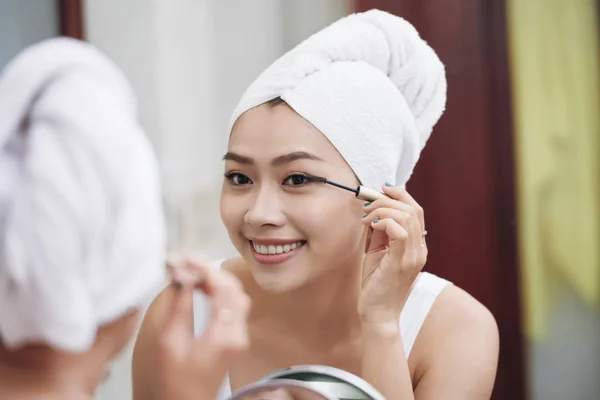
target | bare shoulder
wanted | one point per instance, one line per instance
(236, 267)
(455, 310)
(457, 348)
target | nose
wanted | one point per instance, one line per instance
(265, 210)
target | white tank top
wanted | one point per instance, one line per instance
(420, 300)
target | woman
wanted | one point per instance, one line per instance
(334, 280)
(82, 238)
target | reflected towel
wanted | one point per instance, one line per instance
(81, 224)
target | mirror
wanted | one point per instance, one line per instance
(284, 389)
(309, 382)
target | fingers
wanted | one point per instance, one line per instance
(227, 331)
(399, 198)
(404, 218)
(178, 327)
(402, 245)
(230, 304)
(397, 234)
(407, 221)
(200, 363)
(206, 278)
(408, 217)
(400, 194)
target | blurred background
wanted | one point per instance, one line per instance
(509, 180)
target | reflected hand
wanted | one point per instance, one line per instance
(194, 367)
(395, 256)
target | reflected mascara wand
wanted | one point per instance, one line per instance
(361, 192)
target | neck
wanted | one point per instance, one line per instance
(58, 375)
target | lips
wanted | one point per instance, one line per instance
(270, 249)
(275, 251)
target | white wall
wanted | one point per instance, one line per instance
(189, 61)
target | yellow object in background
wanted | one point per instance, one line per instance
(554, 52)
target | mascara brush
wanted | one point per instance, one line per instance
(361, 192)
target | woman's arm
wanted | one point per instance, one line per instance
(458, 348)
(384, 361)
(144, 367)
(458, 359)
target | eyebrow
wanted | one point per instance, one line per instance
(280, 160)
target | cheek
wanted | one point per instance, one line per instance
(331, 224)
(232, 213)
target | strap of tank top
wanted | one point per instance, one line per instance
(420, 300)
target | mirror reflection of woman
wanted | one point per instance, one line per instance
(82, 239)
(334, 280)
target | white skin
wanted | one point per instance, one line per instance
(337, 300)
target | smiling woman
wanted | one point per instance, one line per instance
(270, 208)
(333, 280)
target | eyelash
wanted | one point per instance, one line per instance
(230, 176)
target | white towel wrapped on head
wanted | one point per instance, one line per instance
(370, 84)
(81, 223)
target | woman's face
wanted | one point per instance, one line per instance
(268, 206)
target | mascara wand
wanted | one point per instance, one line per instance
(361, 192)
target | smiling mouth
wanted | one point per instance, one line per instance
(277, 249)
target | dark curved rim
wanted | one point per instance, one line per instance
(328, 371)
(248, 389)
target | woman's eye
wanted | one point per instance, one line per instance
(237, 179)
(296, 180)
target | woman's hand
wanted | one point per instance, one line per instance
(194, 367)
(395, 256)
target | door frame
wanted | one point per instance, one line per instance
(71, 20)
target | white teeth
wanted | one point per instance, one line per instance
(272, 249)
